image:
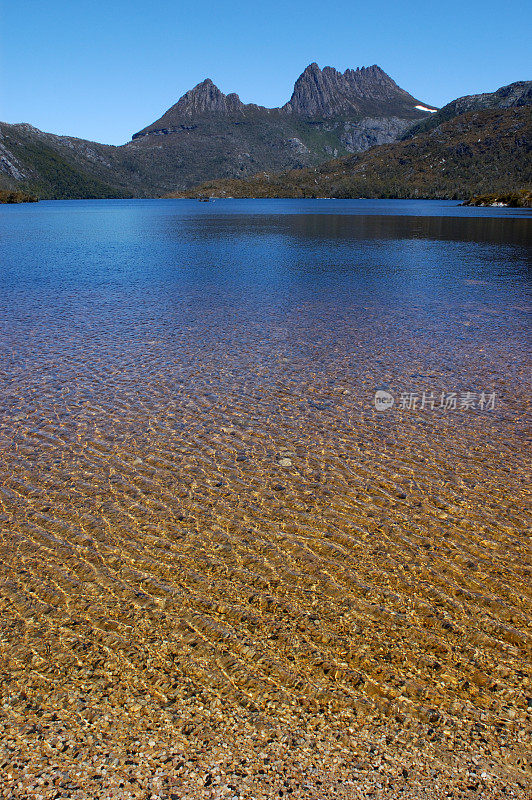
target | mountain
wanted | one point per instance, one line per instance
(473, 153)
(318, 94)
(366, 91)
(205, 98)
(208, 134)
(412, 149)
(59, 166)
(514, 95)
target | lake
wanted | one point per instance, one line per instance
(137, 302)
(197, 487)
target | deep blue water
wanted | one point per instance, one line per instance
(114, 297)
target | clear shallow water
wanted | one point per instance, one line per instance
(158, 360)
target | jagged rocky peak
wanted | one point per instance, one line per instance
(327, 92)
(319, 93)
(206, 97)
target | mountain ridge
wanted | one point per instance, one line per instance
(217, 136)
(318, 93)
(208, 134)
(513, 95)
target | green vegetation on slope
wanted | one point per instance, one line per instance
(55, 177)
(473, 153)
(514, 95)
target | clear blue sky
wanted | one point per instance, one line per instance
(103, 69)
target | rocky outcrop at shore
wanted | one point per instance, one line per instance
(519, 199)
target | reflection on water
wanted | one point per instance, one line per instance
(188, 433)
(305, 227)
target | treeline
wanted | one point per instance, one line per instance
(16, 196)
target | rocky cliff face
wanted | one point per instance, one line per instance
(360, 136)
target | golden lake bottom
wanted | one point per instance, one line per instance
(284, 594)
